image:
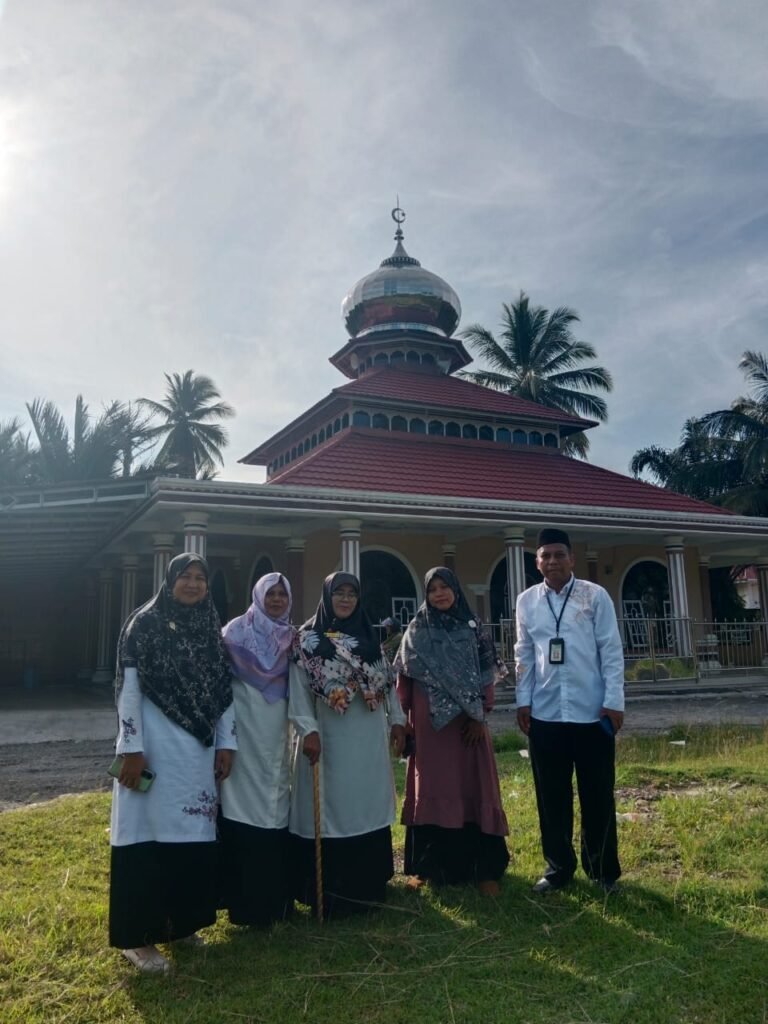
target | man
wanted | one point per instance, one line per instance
(394, 635)
(570, 703)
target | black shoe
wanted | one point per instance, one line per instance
(544, 886)
(608, 887)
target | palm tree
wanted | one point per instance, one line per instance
(91, 452)
(539, 359)
(16, 456)
(193, 444)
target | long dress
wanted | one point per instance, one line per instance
(163, 841)
(357, 799)
(254, 812)
(452, 809)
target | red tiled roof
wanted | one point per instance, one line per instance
(358, 459)
(437, 389)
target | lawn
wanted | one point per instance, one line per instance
(686, 941)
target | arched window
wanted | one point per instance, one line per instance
(436, 427)
(519, 437)
(486, 433)
(428, 359)
(314, 440)
(345, 420)
(396, 358)
(300, 448)
(413, 357)
(399, 423)
(452, 429)
(293, 452)
(380, 421)
(361, 419)
(535, 438)
(418, 426)
(337, 426)
(504, 435)
(469, 430)
(281, 460)
(321, 435)
(550, 441)
(381, 359)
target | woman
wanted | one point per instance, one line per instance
(174, 701)
(447, 667)
(340, 705)
(255, 798)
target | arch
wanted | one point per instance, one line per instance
(336, 425)
(427, 359)
(498, 595)
(293, 452)
(412, 357)
(381, 359)
(551, 441)
(519, 437)
(361, 418)
(321, 435)
(261, 565)
(281, 460)
(345, 421)
(452, 429)
(535, 438)
(486, 433)
(396, 358)
(300, 448)
(380, 421)
(436, 428)
(386, 575)
(646, 580)
(504, 435)
(469, 430)
(314, 441)
(399, 423)
(418, 426)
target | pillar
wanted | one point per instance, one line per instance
(514, 537)
(678, 595)
(294, 570)
(163, 544)
(349, 531)
(449, 556)
(592, 566)
(706, 593)
(128, 602)
(103, 673)
(195, 532)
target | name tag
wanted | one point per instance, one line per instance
(556, 651)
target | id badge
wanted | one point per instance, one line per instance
(556, 651)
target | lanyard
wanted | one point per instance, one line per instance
(559, 618)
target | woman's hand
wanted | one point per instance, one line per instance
(397, 740)
(131, 769)
(222, 764)
(473, 732)
(311, 747)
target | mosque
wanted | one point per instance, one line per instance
(401, 467)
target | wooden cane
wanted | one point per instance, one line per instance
(318, 841)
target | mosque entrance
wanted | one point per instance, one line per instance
(500, 591)
(388, 587)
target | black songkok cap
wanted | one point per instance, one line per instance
(552, 536)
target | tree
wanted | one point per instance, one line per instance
(538, 358)
(193, 442)
(16, 456)
(90, 452)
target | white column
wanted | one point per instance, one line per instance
(678, 594)
(128, 602)
(103, 673)
(195, 532)
(514, 537)
(349, 531)
(163, 549)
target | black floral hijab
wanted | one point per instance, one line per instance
(342, 656)
(180, 656)
(450, 655)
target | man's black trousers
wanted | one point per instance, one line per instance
(556, 749)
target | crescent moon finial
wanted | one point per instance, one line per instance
(398, 216)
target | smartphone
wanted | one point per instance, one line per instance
(145, 781)
(607, 725)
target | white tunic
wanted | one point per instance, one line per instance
(258, 790)
(357, 790)
(182, 803)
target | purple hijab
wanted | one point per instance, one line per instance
(258, 645)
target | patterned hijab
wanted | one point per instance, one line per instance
(179, 653)
(342, 656)
(258, 644)
(449, 654)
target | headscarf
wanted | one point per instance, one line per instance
(449, 654)
(179, 654)
(342, 656)
(258, 644)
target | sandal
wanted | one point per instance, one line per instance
(148, 959)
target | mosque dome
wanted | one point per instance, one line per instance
(401, 296)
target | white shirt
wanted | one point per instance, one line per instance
(592, 673)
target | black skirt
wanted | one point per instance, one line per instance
(160, 892)
(355, 872)
(255, 873)
(454, 856)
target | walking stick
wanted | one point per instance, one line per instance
(318, 841)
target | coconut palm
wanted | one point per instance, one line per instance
(16, 456)
(538, 358)
(90, 452)
(192, 443)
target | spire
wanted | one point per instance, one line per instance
(399, 257)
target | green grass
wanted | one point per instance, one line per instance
(685, 943)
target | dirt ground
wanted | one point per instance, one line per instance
(34, 772)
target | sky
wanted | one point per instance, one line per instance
(197, 185)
